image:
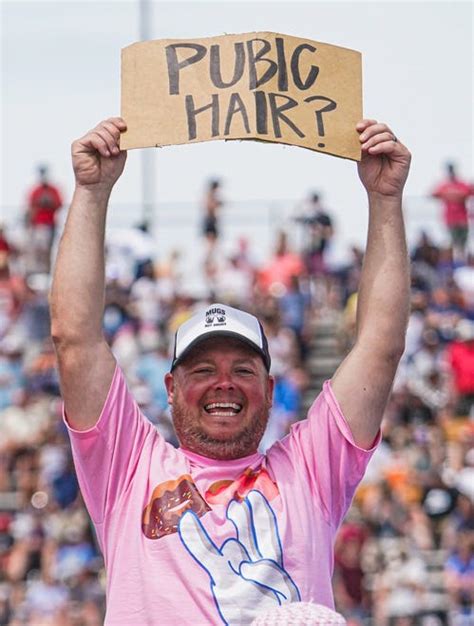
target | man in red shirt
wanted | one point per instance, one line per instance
(43, 203)
(460, 357)
(5, 246)
(454, 194)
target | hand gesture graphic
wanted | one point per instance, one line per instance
(246, 573)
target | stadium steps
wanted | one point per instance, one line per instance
(323, 358)
(436, 595)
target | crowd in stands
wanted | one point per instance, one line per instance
(404, 555)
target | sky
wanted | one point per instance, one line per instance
(60, 68)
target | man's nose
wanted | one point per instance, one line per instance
(224, 380)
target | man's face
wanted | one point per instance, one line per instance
(220, 396)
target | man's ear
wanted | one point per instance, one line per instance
(169, 384)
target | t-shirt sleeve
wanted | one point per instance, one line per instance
(322, 451)
(106, 455)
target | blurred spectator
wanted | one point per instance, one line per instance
(283, 347)
(145, 296)
(128, 251)
(244, 256)
(235, 282)
(151, 365)
(402, 587)
(12, 374)
(459, 576)
(212, 204)
(426, 379)
(12, 296)
(443, 311)
(6, 248)
(212, 261)
(454, 193)
(464, 279)
(294, 308)
(276, 277)
(318, 232)
(460, 357)
(44, 200)
(348, 572)
(424, 264)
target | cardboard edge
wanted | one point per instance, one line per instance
(256, 139)
(259, 32)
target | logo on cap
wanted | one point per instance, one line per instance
(214, 314)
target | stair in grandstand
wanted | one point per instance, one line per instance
(323, 358)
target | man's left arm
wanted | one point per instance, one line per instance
(363, 382)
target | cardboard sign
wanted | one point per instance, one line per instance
(262, 86)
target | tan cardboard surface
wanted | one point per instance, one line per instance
(263, 86)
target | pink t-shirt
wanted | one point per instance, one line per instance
(190, 540)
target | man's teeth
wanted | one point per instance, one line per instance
(223, 408)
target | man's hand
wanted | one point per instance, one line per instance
(385, 161)
(96, 158)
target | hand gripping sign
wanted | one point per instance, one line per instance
(262, 86)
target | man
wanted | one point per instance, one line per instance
(214, 532)
(319, 231)
(454, 194)
(212, 205)
(277, 275)
(44, 201)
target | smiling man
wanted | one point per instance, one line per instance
(215, 532)
(219, 385)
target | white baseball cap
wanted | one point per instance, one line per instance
(220, 320)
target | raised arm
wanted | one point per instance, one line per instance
(86, 364)
(363, 382)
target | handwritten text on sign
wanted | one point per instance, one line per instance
(254, 86)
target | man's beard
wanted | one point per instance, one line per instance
(192, 436)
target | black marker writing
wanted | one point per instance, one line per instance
(192, 113)
(319, 113)
(277, 113)
(174, 66)
(236, 105)
(215, 67)
(295, 68)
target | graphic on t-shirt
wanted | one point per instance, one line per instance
(223, 491)
(246, 573)
(168, 502)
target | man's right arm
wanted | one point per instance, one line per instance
(86, 365)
